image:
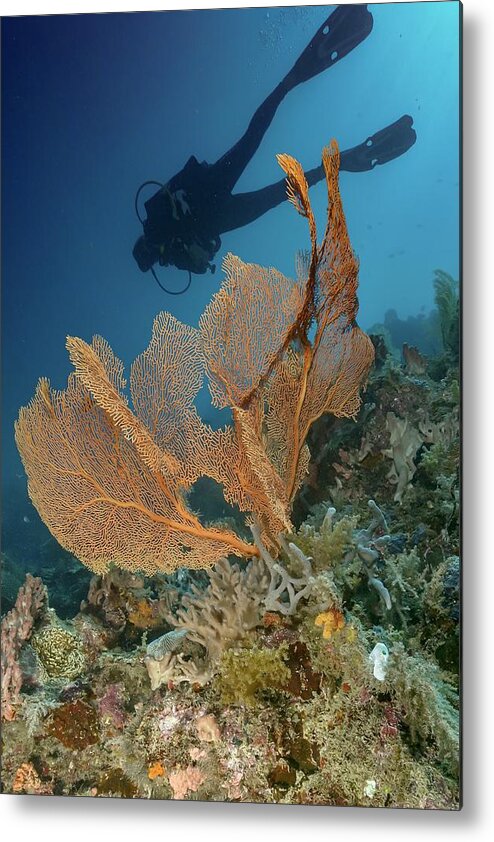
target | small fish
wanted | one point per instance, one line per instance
(168, 642)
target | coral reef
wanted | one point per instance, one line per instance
(340, 702)
(302, 646)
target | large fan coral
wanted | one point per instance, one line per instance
(111, 482)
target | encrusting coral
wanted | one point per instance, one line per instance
(110, 483)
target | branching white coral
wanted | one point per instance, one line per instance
(285, 590)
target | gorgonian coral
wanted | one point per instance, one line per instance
(110, 481)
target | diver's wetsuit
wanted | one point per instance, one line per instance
(186, 217)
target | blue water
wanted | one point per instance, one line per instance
(93, 105)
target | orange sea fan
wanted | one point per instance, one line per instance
(244, 328)
(334, 364)
(98, 496)
(274, 367)
(110, 481)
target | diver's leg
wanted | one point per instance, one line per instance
(379, 148)
(340, 33)
(244, 208)
(227, 170)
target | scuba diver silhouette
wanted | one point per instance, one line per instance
(186, 216)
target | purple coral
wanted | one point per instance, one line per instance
(17, 627)
(111, 705)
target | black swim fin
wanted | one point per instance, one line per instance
(385, 145)
(343, 30)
